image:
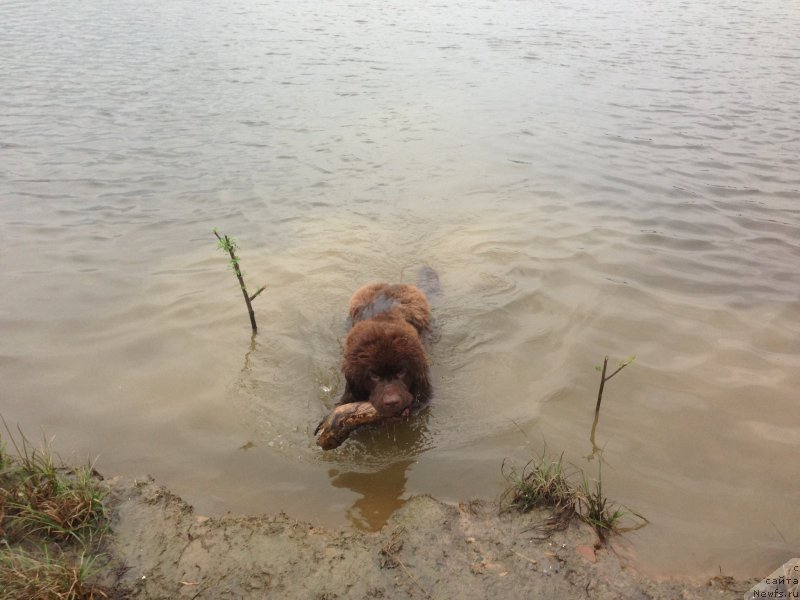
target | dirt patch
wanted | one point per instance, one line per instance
(158, 548)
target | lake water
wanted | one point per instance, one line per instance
(587, 178)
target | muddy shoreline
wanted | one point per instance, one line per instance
(159, 548)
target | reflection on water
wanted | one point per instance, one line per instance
(587, 178)
(379, 494)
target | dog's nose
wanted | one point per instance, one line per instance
(392, 401)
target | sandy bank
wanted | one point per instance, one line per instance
(160, 549)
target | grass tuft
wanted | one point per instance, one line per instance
(595, 509)
(41, 497)
(51, 516)
(544, 483)
(45, 576)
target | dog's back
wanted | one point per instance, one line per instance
(386, 301)
(397, 301)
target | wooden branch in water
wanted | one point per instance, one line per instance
(227, 244)
(334, 429)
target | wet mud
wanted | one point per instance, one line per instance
(159, 548)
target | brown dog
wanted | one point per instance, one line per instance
(385, 362)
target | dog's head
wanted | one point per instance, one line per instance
(385, 363)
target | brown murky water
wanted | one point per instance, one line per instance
(587, 178)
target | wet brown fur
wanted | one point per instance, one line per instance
(385, 362)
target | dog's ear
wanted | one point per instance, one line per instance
(421, 387)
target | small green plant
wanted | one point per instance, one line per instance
(229, 245)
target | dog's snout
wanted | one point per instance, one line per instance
(393, 400)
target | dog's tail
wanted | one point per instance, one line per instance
(428, 282)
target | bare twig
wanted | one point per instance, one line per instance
(621, 366)
(603, 379)
(261, 289)
(530, 560)
(602, 385)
